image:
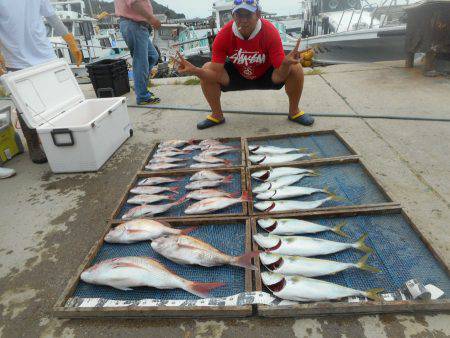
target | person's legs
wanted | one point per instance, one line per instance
(136, 37)
(212, 93)
(153, 57)
(294, 88)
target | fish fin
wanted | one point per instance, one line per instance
(302, 149)
(202, 289)
(374, 294)
(175, 189)
(188, 230)
(227, 179)
(338, 229)
(362, 264)
(246, 197)
(360, 245)
(123, 288)
(181, 200)
(167, 224)
(313, 155)
(335, 197)
(245, 261)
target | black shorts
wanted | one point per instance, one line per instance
(238, 82)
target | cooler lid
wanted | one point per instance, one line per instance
(43, 92)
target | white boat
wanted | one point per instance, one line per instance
(369, 33)
(94, 44)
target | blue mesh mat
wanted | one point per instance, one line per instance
(235, 186)
(398, 253)
(235, 156)
(324, 145)
(347, 180)
(217, 235)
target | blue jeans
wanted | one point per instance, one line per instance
(144, 54)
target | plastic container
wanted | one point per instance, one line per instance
(77, 134)
(10, 142)
(109, 77)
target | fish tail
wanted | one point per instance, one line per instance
(374, 294)
(246, 197)
(181, 200)
(360, 245)
(313, 173)
(362, 264)
(234, 195)
(302, 149)
(202, 289)
(334, 197)
(227, 179)
(313, 155)
(245, 261)
(227, 162)
(188, 230)
(338, 229)
(172, 197)
(175, 189)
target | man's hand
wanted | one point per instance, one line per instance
(156, 24)
(184, 66)
(294, 57)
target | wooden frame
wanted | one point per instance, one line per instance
(140, 175)
(317, 163)
(340, 308)
(304, 134)
(223, 139)
(168, 312)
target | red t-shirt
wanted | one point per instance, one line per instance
(253, 57)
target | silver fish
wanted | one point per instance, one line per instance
(168, 154)
(303, 289)
(208, 193)
(184, 249)
(215, 152)
(270, 175)
(309, 267)
(306, 246)
(210, 159)
(192, 147)
(208, 142)
(206, 165)
(289, 192)
(151, 190)
(291, 205)
(213, 204)
(195, 185)
(163, 166)
(258, 149)
(150, 210)
(139, 230)
(166, 160)
(124, 273)
(172, 149)
(283, 181)
(206, 175)
(149, 199)
(274, 159)
(156, 180)
(174, 143)
(291, 226)
(217, 147)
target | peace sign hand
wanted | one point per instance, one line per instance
(184, 66)
(294, 57)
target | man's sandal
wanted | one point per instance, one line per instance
(209, 122)
(302, 118)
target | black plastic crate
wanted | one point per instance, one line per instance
(109, 77)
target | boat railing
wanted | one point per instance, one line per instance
(342, 16)
(368, 7)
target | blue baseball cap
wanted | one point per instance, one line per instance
(249, 5)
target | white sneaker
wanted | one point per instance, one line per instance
(6, 172)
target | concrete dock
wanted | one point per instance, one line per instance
(49, 222)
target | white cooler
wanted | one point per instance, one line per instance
(77, 134)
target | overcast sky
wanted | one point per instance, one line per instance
(203, 8)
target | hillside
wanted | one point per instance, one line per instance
(100, 6)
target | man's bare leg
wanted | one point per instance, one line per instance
(212, 93)
(294, 88)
